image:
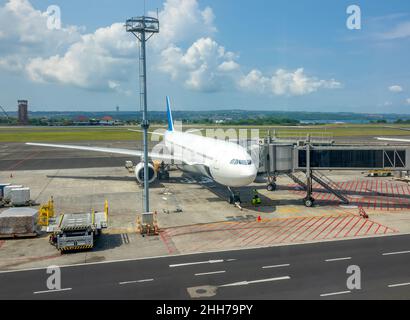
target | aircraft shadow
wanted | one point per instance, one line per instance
(155, 185)
(222, 193)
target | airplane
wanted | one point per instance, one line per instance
(226, 163)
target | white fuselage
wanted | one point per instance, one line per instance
(225, 162)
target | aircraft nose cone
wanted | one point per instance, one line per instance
(250, 174)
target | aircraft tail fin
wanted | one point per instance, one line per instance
(169, 116)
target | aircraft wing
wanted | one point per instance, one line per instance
(393, 139)
(128, 152)
(154, 133)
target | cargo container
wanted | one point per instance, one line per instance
(7, 192)
(2, 186)
(20, 197)
(18, 222)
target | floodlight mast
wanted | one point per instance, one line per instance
(144, 28)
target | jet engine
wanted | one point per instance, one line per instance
(139, 173)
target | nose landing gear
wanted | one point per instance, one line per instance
(235, 198)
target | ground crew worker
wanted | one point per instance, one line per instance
(256, 199)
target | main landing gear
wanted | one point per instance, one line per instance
(271, 187)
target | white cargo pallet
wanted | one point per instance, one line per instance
(7, 191)
(18, 223)
(2, 186)
(20, 196)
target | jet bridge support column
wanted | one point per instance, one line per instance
(308, 201)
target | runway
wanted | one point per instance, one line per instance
(19, 157)
(312, 271)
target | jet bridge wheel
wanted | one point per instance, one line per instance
(309, 202)
(271, 187)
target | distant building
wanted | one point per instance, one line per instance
(23, 112)
(81, 119)
(107, 118)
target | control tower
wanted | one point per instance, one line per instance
(23, 112)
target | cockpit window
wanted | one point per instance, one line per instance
(241, 162)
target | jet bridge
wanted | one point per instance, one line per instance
(276, 159)
(353, 158)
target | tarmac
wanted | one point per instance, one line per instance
(375, 268)
(193, 212)
(19, 157)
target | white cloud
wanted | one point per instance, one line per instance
(401, 31)
(284, 82)
(203, 67)
(408, 101)
(182, 20)
(100, 60)
(95, 61)
(204, 64)
(24, 31)
(227, 66)
(396, 89)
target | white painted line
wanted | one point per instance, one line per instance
(278, 266)
(136, 281)
(195, 263)
(269, 280)
(245, 283)
(52, 291)
(209, 273)
(128, 282)
(338, 259)
(335, 293)
(396, 253)
(199, 253)
(399, 285)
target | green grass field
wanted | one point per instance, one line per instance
(73, 134)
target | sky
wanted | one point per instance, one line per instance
(291, 55)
